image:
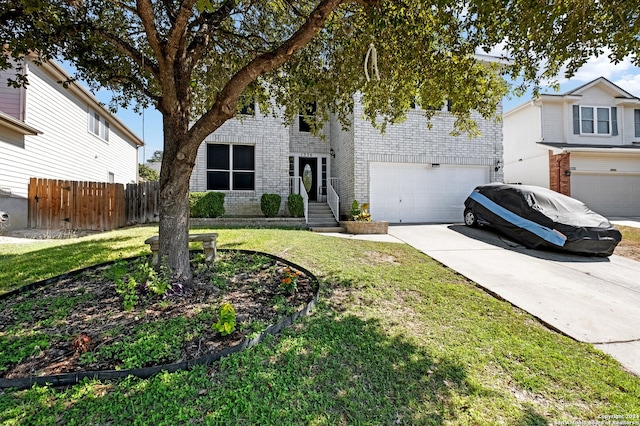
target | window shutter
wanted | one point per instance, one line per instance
(614, 121)
(576, 120)
(636, 120)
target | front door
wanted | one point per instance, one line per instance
(308, 170)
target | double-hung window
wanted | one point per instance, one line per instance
(594, 120)
(230, 167)
(99, 126)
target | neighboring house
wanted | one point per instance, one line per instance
(584, 143)
(410, 174)
(48, 131)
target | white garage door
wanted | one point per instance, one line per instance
(414, 193)
(608, 194)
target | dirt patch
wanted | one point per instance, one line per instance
(628, 249)
(79, 323)
(375, 257)
(630, 245)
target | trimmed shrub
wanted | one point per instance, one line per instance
(295, 203)
(355, 210)
(206, 204)
(270, 204)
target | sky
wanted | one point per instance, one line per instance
(149, 126)
(625, 75)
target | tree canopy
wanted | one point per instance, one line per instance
(199, 61)
(147, 173)
(156, 157)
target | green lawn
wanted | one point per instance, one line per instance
(396, 339)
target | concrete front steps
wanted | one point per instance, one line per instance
(321, 218)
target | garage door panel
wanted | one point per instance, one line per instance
(608, 194)
(413, 193)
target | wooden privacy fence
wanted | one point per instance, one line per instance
(73, 205)
(143, 202)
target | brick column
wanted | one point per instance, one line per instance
(560, 172)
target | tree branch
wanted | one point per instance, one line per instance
(176, 38)
(137, 83)
(296, 11)
(208, 24)
(169, 9)
(122, 5)
(225, 105)
(128, 50)
(145, 12)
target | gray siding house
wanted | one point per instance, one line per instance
(47, 131)
(410, 174)
(584, 143)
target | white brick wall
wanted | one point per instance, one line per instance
(413, 142)
(271, 141)
(356, 147)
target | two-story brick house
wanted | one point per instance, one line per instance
(584, 143)
(410, 174)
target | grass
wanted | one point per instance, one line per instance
(630, 235)
(396, 339)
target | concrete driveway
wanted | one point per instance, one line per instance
(593, 300)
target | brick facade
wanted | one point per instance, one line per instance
(410, 142)
(560, 173)
(271, 141)
(353, 150)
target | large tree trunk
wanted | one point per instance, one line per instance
(177, 165)
(175, 66)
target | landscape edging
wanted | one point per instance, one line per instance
(67, 379)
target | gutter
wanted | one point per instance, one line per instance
(16, 125)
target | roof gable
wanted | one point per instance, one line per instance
(604, 84)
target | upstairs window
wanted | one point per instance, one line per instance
(247, 106)
(636, 121)
(591, 120)
(304, 117)
(99, 126)
(230, 167)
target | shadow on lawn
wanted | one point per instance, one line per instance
(47, 262)
(332, 369)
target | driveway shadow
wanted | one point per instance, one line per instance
(492, 236)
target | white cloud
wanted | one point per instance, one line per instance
(630, 82)
(600, 67)
(625, 75)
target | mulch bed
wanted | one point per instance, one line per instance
(78, 322)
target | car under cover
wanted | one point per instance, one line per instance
(541, 218)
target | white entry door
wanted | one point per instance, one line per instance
(415, 193)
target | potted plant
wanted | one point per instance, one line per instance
(361, 222)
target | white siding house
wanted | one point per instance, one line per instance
(48, 131)
(584, 143)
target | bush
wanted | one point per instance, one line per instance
(206, 204)
(360, 213)
(295, 205)
(270, 204)
(355, 209)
